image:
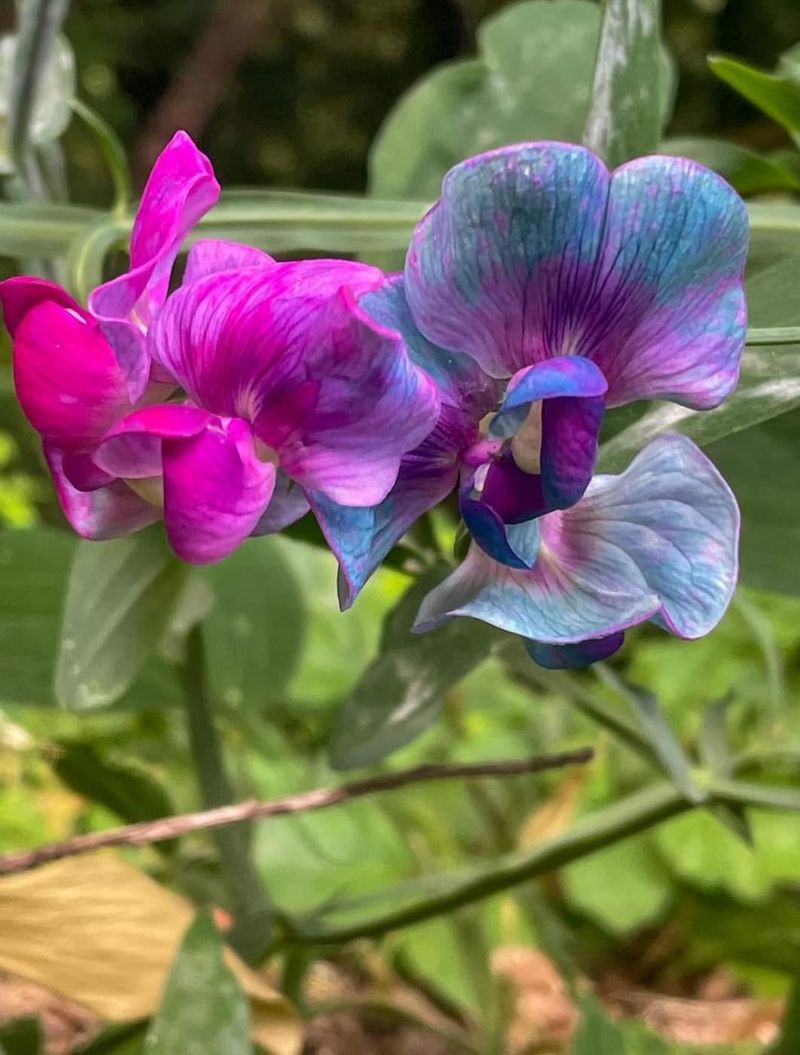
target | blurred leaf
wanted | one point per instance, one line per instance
(126, 1039)
(33, 573)
(254, 634)
(204, 1009)
(748, 171)
(789, 64)
(707, 855)
(120, 600)
(126, 790)
(626, 114)
(596, 1035)
(758, 465)
(667, 748)
(623, 887)
(533, 80)
(55, 88)
(98, 931)
(715, 753)
(21, 1036)
(599, 1035)
(281, 221)
(401, 694)
(769, 383)
(42, 228)
(775, 94)
(789, 1041)
(666, 745)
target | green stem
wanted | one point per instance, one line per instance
(113, 153)
(636, 813)
(40, 23)
(761, 335)
(254, 915)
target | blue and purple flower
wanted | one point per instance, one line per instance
(570, 290)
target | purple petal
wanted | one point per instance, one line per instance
(534, 252)
(180, 190)
(572, 657)
(499, 265)
(210, 255)
(287, 348)
(108, 512)
(66, 375)
(82, 471)
(516, 546)
(287, 505)
(361, 537)
(132, 448)
(459, 378)
(215, 490)
(660, 541)
(559, 443)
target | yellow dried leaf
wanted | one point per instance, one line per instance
(100, 932)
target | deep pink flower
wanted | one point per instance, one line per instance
(78, 372)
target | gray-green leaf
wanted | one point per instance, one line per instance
(532, 80)
(120, 600)
(204, 1009)
(628, 97)
(402, 692)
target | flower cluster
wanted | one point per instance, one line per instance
(538, 291)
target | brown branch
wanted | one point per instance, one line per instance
(319, 799)
(235, 29)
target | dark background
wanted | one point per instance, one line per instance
(291, 92)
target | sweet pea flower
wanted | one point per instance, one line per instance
(78, 372)
(582, 290)
(575, 290)
(291, 389)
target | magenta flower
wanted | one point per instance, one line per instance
(286, 384)
(78, 372)
(290, 388)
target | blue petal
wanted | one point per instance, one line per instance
(459, 378)
(515, 545)
(571, 391)
(535, 251)
(572, 657)
(660, 541)
(361, 537)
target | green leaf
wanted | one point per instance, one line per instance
(21, 1036)
(759, 466)
(402, 692)
(125, 789)
(667, 749)
(702, 852)
(532, 80)
(120, 601)
(775, 94)
(628, 104)
(623, 887)
(42, 228)
(41, 96)
(204, 1009)
(789, 1040)
(124, 1039)
(254, 634)
(281, 221)
(33, 575)
(747, 170)
(769, 383)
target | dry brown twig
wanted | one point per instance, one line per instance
(320, 799)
